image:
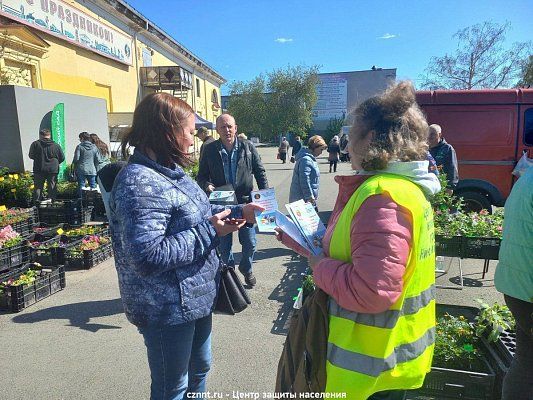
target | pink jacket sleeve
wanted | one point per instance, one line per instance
(380, 240)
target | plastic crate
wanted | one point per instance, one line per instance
(51, 215)
(17, 298)
(448, 247)
(89, 258)
(481, 248)
(24, 227)
(14, 256)
(102, 230)
(457, 384)
(44, 231)
(505, 346)
(51, 256)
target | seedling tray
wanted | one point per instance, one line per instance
(448, 247)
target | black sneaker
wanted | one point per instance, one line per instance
(250, 279)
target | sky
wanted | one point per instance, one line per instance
(241, 39)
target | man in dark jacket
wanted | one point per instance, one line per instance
(444, 155)
(46, 156)
(203, 134)
(231, 162)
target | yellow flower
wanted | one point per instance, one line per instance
(13, 190)
(32, 186)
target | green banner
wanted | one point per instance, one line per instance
(58, 135)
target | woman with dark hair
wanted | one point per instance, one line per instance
(378, 265)
(86, 158)
(165, 235)
(103, 151)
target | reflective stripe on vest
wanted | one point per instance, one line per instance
(387, 319)
(369, 353)
(374, 366)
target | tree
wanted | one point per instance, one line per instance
(282, 101)
(292, 98)
(527, 73)
(248, 105)
(334, 127)
(480, 61)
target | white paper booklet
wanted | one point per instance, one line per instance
(311, 227)
(289, 228)
(222, 197)
(266, 220)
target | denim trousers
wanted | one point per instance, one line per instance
(179, 357)
(518, 382)
(248, 243)
(81, 181)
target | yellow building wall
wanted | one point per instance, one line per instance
(71, 69)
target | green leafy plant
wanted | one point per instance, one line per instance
(494, 320)
(456, 345)
(67, 189)
(84, 230)
(16, 189)
(192, 170)
(308, 285)
(481, 224)
(14, 215)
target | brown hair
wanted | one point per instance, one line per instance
(102, 147)
(84, 136)
(400, 129)
(315, 142)
(156, 120)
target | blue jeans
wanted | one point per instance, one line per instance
(81, 181)
(179, 357)
(248, 243)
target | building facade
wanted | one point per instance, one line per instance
(104, 49)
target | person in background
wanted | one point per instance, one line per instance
(86, 158)
(296, 146)
(165, 234)
(378, 265)
(242, 136)
(283, 149)
(231, 162)
(106, 177)
(514, 278)
(334, 151)
(345, 156)
(444, 155)
(306, 176)
(203, 134)
(47, 156)
(103, 151)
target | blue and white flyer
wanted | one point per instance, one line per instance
(266, 220)
(289, 228)
(305, 217)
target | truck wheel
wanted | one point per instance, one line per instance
(476, 201)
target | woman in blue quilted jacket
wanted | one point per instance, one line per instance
(165, 234)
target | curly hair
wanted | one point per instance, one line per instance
(398, 125)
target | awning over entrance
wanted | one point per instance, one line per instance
(203, 122)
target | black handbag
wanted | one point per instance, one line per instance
(232, 297)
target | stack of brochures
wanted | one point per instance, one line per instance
(303, 224)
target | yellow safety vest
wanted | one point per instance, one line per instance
(370, 353)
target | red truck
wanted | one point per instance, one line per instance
(489, 129)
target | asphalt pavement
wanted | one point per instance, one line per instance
(77, 344)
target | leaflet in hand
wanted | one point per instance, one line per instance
(308, 222)
(289, 228)
(222, 197)
(266, 220)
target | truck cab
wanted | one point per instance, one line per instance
(489, 130)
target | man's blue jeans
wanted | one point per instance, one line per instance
(179, 357)
(248, 243)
